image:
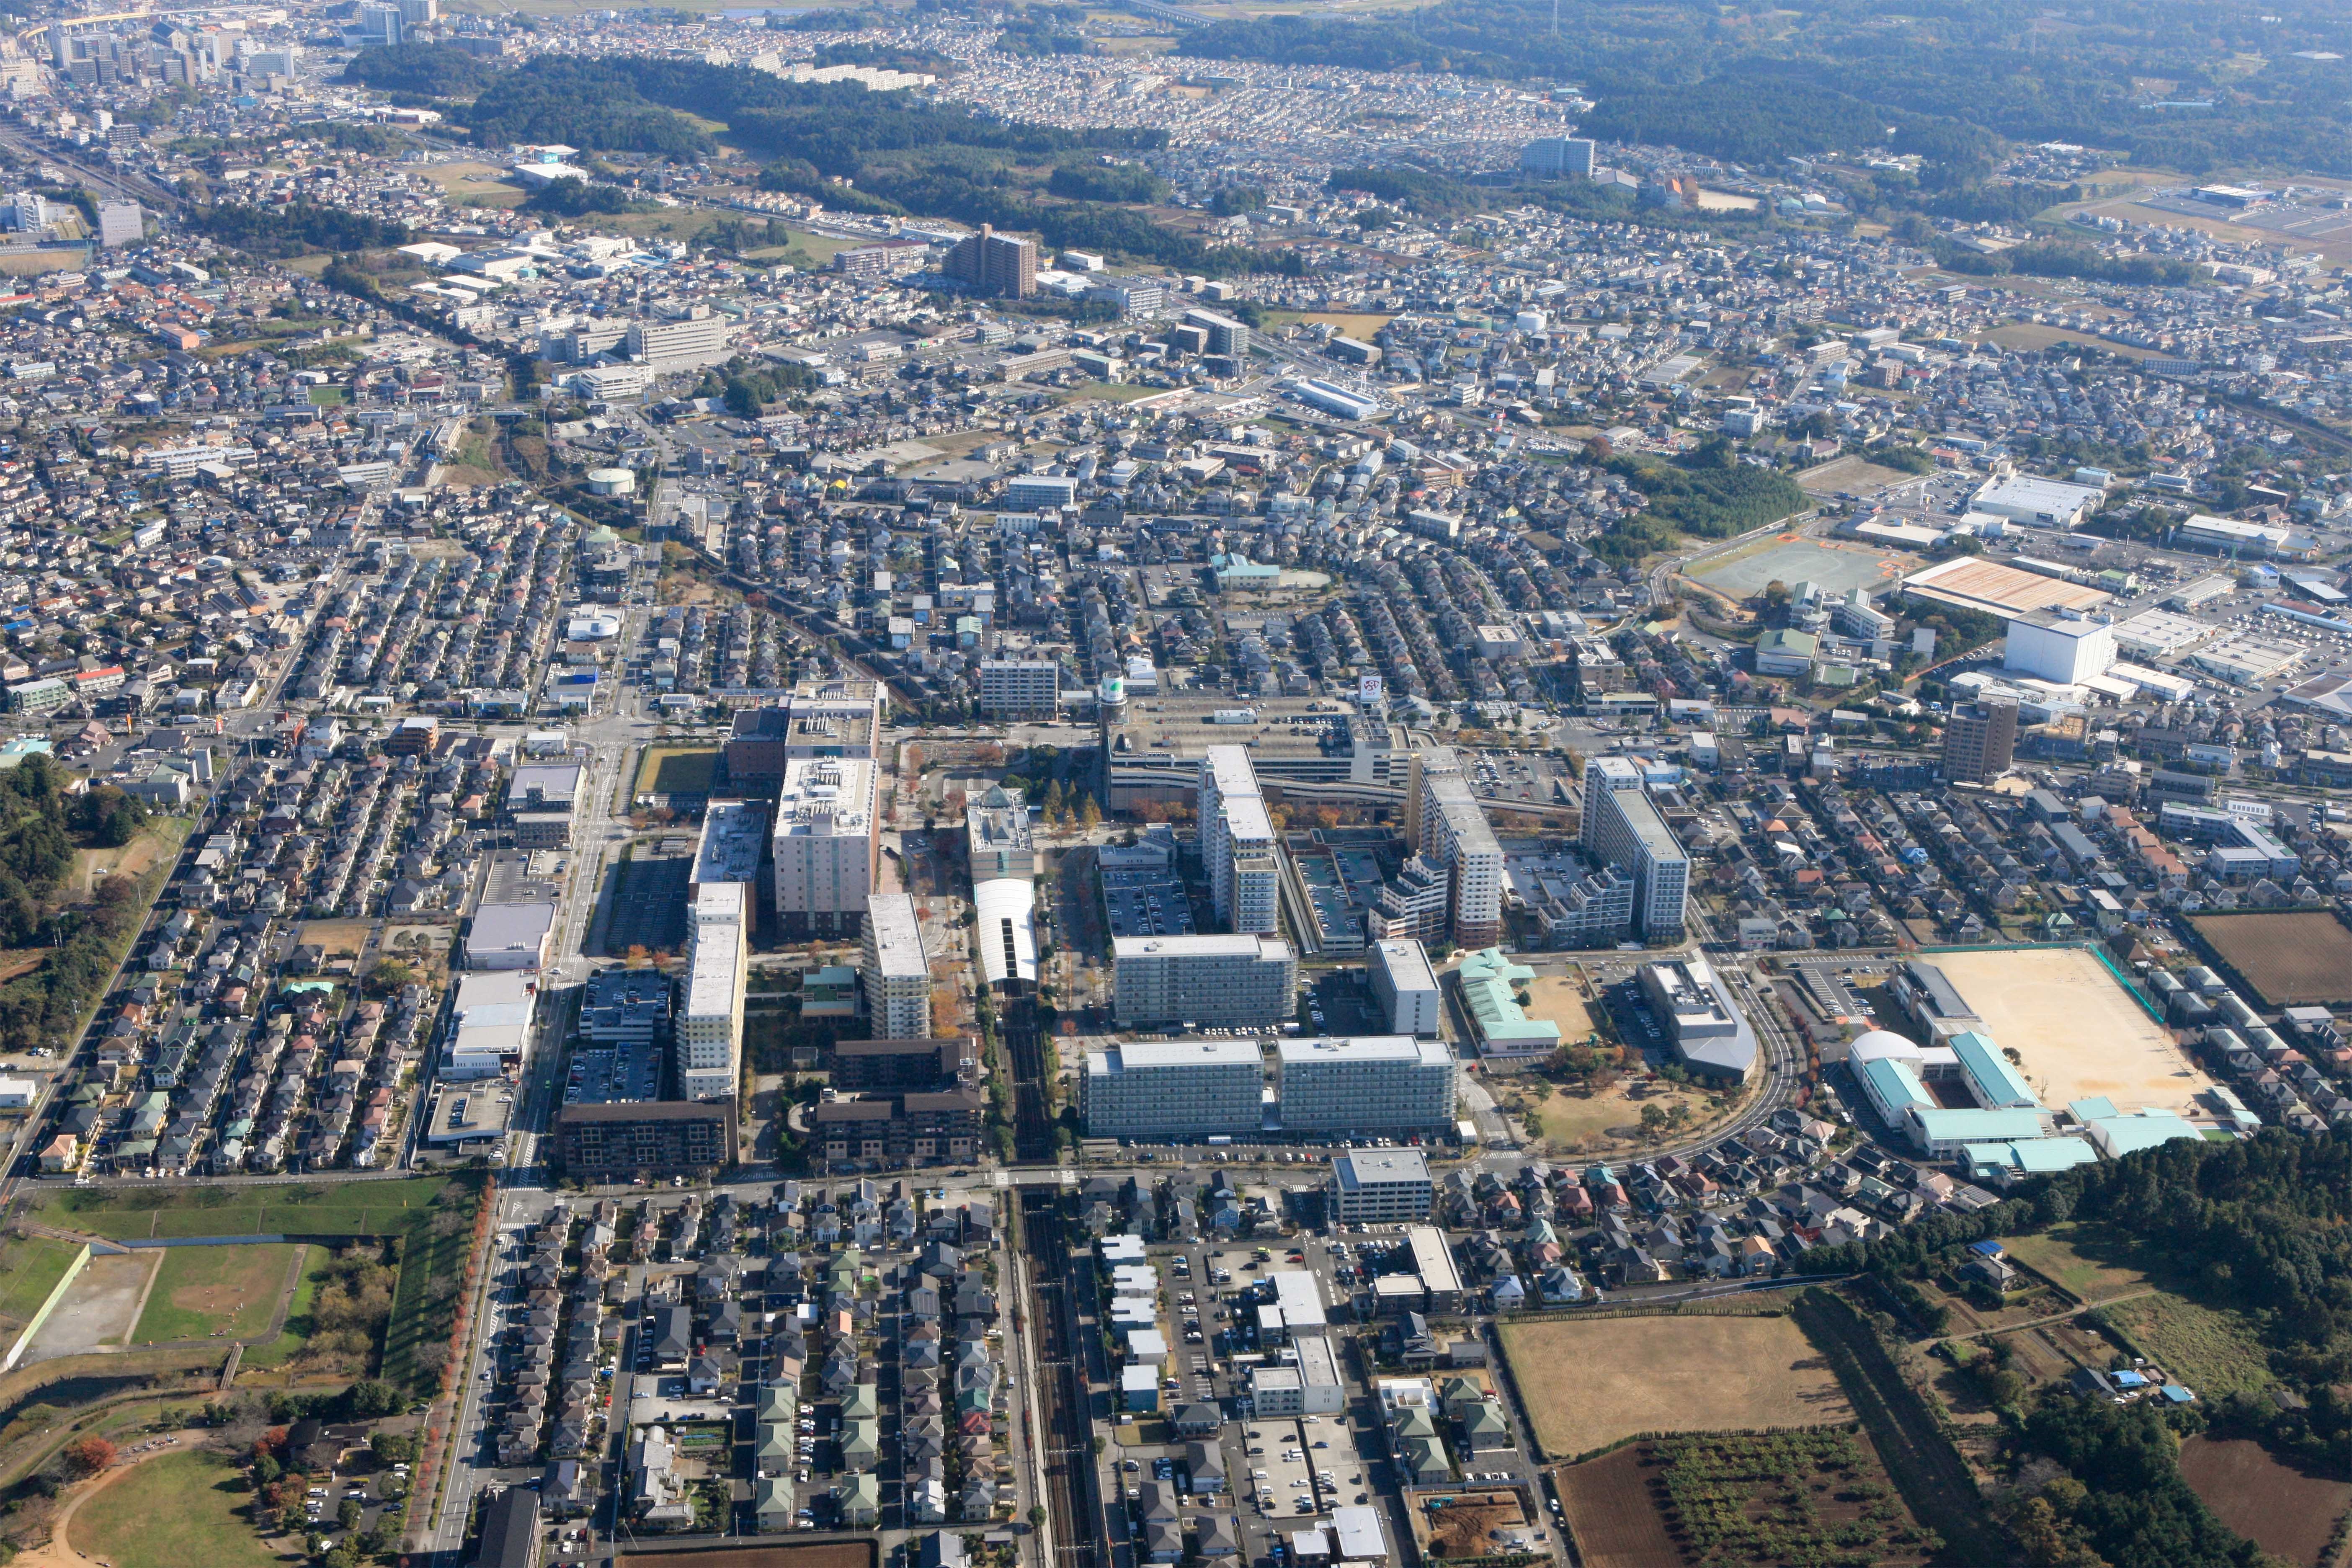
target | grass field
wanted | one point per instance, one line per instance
(2087, 1262)
(2291, 959)
(1850, 473)
(30, 1268)
(2214, 1352)
(204, 1290)
(677, 769)
(169, 1512)
(1362, 328)
(316, 1262)
(1589, 1384)
(2285, 1512)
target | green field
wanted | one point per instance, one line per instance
(2214, 1352)
(316, 1263)
(411, 1211)
(355, 1208)
(677, 769)
(173, 1511)
(201, 1291)
(2087, 1262)
(30, 1268)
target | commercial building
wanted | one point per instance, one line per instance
(1709, 1033)
(824, 843)
(820, 719)
(710, 1019)
(1365, 1085)
(489, 1025)
(1988, 586)
(997, 837)
(1239, 851)
(119, 223)
(1622, 829)
(1456, 834)
(1020, 690)
(1173, 1089)
(2060, 645)
(626, 1006)
(1153, 753)
(993, 263)
(1380, 1186)
(897, 975)
(1980, 741)
(693, 343)
(510, 936)
(1238, 982)
(2044, 503)
(621, 1140)
(1404, 988)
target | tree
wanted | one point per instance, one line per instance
(1089, 815)
(388, 975)
(372, 1397)
(1653, 1118)
(87, 1455)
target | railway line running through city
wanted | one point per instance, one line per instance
(1063, 1451)
(1032, 1091)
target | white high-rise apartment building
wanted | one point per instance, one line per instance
(689, 344)
(1403, 986)
(1366, 1083)
(1456, 835)
(1173, 1089)
(1238, 849)
(1238, 982)
(710, 1023)
(898, 977)
(825, 843)
(1622, 827)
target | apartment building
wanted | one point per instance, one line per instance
(824, 843)
(1020, 690)
(1622, 829)
(734, 837)
(1456, 836)
(1404, 988)
(994, 263)
(624, 1139)
(709, 1032)
(1238, 847)
(1236, 982)
(1980, 741)
(898, 977)
(1173, 1089)
(915, 1127)
(1365, 1084)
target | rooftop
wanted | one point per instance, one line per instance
(731, 845)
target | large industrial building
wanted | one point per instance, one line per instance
(1990, 588)
(1369, 1084)
(1239, 851)
(2060, 645)
(1169, 1089)
(825, 845)
(897, 975)
(1622, 827)
(1238, 982)
(2040, 502)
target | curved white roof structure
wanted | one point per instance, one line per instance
(1006, 907)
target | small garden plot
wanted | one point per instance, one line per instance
(1742, 1499)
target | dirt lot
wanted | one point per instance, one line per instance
(1850, 474)
(2281, 1510)
(1465, 1527)
(1591, 1382)
(1561, 999)
(1608, 1505)
(2078, 1032)
(341, 939)
(2290, 960)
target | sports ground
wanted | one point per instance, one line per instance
(2080, 1034)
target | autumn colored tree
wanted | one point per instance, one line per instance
(87, 1455)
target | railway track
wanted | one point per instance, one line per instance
(1032, 1095)
(1064, 1446)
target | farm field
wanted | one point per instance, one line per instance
(1741, 1500)
(2291, 959)
(200, 1291)
(168, 1512)
(2087, 1262)
(2285, 1512)
(2214, 1352)
(677, 769)
(2078, 1032)
(1589, 1384)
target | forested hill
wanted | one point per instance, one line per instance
(1764, 83)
